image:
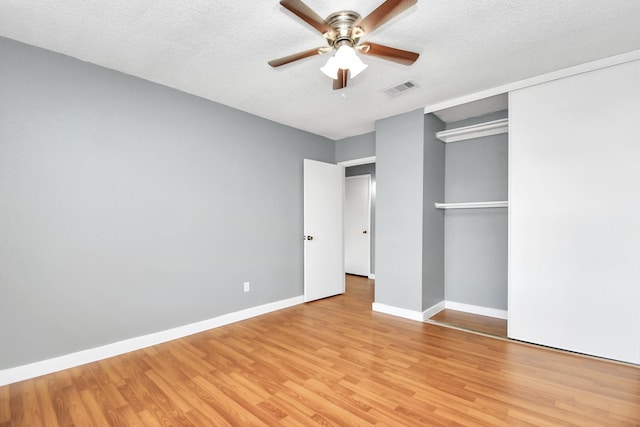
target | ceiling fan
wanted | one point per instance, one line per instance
(343, 31)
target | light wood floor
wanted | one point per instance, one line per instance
(332, 362)
(474, 322)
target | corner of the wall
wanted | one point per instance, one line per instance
(433, 310)
(397, 311)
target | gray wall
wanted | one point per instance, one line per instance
(356, 147)
(476, 239)
(433, 243)
(128, 208)
(399, 167)
(368, 169)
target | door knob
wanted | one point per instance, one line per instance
(307, 238)
(364, 232)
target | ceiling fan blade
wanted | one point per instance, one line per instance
(383, 13)
(341, 81)
(400, 56)
(296, 56)
(306, 14)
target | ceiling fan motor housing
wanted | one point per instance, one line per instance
(344, 31)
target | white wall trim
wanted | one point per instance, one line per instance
(436, 308)
(356, 162)
(476, 309)
(36, 369)
(409, 314)
(397, 311)
(542, 78)
(433, 310)
(495, 127)
(372, 276)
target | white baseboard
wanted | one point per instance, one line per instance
(476, 309)
(433, 310)
(436, 308)
(397, 311)
(36, 369)
(372, 276)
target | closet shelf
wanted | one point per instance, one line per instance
(473, 205)
(494, 127)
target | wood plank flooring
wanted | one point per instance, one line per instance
(332, 362)
(474, 322)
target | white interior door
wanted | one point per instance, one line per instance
(323, 230)
(357, 225)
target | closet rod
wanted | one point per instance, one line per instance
(473, 205)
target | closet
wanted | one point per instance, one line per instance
(475, 214)
(558, 199)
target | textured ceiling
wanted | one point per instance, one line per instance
(219, 50)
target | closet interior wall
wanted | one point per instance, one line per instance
(476, 170)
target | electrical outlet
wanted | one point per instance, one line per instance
(247, 286)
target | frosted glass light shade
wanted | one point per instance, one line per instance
(345, 58)
(331, 68)
(357, 67)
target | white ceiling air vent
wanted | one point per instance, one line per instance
(401, 88)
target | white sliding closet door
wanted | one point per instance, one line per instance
(574, 208)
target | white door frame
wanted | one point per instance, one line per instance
(357, 162)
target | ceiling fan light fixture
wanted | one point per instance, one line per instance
(346, 59)
(331, 68)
